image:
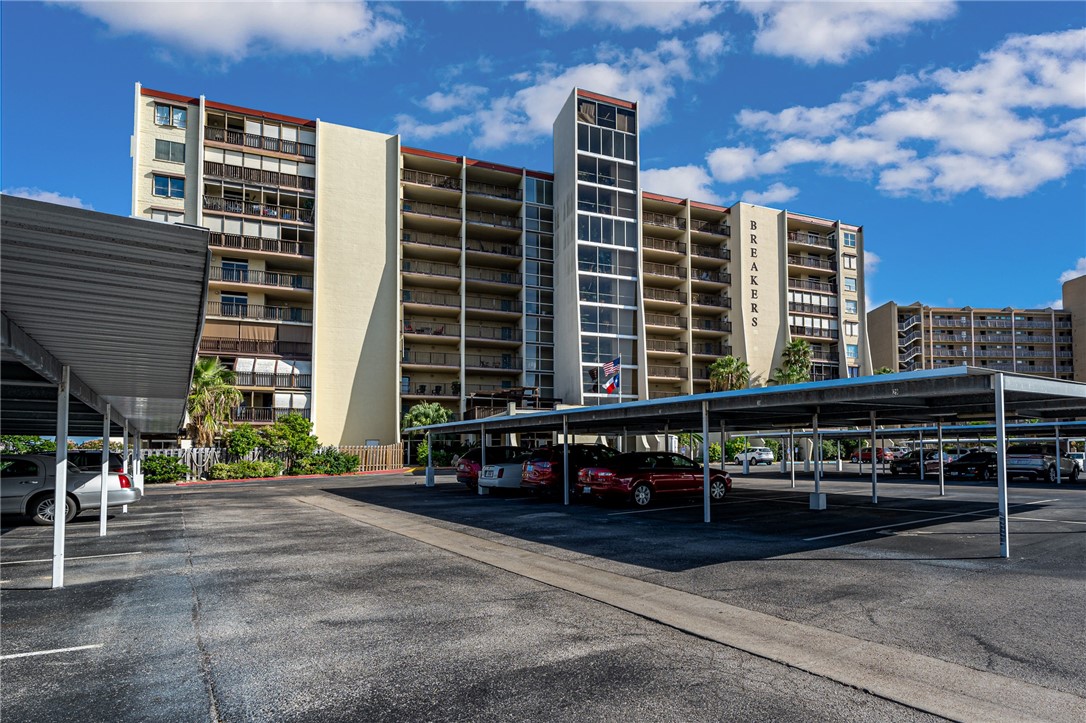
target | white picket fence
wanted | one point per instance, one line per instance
(199, 460)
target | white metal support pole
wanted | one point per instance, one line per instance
(1059, 458)
(60, 503)
(818, 499)
(792, 455)
(723, 446)
(921, 455)
(746, 458)
(126, 463)
(104, 499)
(942, 481)
(839, 460)
(874, 467)
(479, 489)
(430, 482)
(565, 459)
(1001, 466)
(705, 458)
(137, 462)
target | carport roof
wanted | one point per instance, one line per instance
(118, 300)
(956, 394)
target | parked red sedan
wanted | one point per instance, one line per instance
(544, 468)
(641, 476)
(882, 454)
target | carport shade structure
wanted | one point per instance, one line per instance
(113, 305)
(936, 395)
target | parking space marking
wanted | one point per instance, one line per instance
(84, 557)
(49, 652)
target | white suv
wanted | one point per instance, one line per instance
(756, 455)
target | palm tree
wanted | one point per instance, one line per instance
(728, 373)
(212, 398)
(421, 415)
(795, 363)
(884, 370)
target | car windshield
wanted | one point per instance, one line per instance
(975, 457)
(1025, 449)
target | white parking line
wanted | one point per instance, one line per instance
(49, 652)
(660, 509)
(84, 557)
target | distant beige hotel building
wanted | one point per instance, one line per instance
(1045, 342)
(353, 277)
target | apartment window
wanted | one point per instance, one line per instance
(171, 115)
(850, 283)
(850, 306)
(849, 261)
(169, 186)
(852, 351)
(169, 151)
(853, 372)
(235, 304)
(852, 328)
(849, 239)
(235, 270)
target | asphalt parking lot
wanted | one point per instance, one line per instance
(375, 598)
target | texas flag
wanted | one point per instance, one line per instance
(612, 385)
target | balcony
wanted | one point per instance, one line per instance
(434, 330)
(261, 278)
(664, 394)
(711, 349)
(264, 414)
(275, 381)
(492, 333)
(493, 303)
(494, 276)
(955, 323)
(263, 245)
(502, 362)
(434, 210)
(709, 276)
(1018, 324)
(433, 180)
(493, 191)
(718, 300)
(717, 325)
(489, 218)
(960, 353)
(431, 359)
(665, 346)
(669, 372)
(825, 356)
(669, 270)
(710, 252)
(980, 323)
(260, 312)
(811, 239)
(259, 142)
(665, 295)
(510, 249)
(427, 298)
(810, 331)
(998, 339)
(672, 322)
(711, 227)
(986, 353)
(255, 347)
(447, 390)
(241, 174)
(651, 243)
(430, 272)
(813, 309)
(662, 219)
(423, 238)
(260, 210)
(812, 262)
(820, 286)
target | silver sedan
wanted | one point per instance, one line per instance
(28, 484)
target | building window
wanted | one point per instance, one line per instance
(849, 261)
(849, 238)
(235, 304)
(853, 372)
(169, 186)
(171, 115)
(852, 328)
(850, 306)
(169, 151)
(850, 283)
(852, 351)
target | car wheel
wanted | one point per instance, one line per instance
(984, 475)
(854, 460)
(1053, 474)
(43, 509)
(1074, 474)
(738, 461)
(717, 488)
(641, 494)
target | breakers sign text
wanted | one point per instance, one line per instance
(753, 274)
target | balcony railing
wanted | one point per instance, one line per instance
(429, 268)
(431, 328)
(663, 244)
(278, 381)
(262, 210)
(430, 239)
(812, 331)
(662, 394)
(903, 325)
(711, 348)
(495, 191)
(717, 277)
(675, 322)
(431, 209)
(813, 309)
(483, 361)
(259, 142)
(492, 333)
(434, 180)
(498, 276)
(264, 414)
(493, 247)
(241, 174)
(255, 347)
(262, 278)
(259, 311)
(675, 272)
(256, 243)
(992, 338)
(957, 323)
(663, 219)
(811, 239)
(813, 262)
(712, 325)
(492, 303)
(678, 297)
(825, 356)
(665, 345)
(710, 252)
(822, 286)
(432, 358)
(712, 227)
(490, 218)
(669, 372)
(411, 296)
(720, 300)
(1035, 324)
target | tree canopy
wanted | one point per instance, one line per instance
(728, 373)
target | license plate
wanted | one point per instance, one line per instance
(588, 490)
(490, 473)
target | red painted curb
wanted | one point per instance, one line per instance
(284, 477)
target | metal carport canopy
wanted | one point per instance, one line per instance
(118, 300)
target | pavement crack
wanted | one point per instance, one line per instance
(205, 656)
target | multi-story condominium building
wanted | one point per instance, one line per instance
(353, 276)
(1028, 341)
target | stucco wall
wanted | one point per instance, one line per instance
(1074, 301)
(759, 288)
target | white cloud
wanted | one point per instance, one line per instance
(710, 45)
(777, 193)
(871, 262)
(1057, 304)
(651, 77)
(1003, 126)
(628, 14)
(234, 30)
(692, 182)
(1079, 270)
(36, 194)
(834, 32)
(458, 97)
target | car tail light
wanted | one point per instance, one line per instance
(501, 472)
(116, 470)
(125, 482)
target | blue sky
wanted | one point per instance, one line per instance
(953, 132)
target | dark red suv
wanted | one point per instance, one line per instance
(543, 470)
(469, 464)
(641, 476)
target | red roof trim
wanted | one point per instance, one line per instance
(709, 206)
(261, 114)
(606, 99)
(810, 219)
(492, 166)
(540, 174)
(659, 197)
(169, 96)
(430, 154)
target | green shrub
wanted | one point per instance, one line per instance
(242, 439)
(735, 446)
(442, 458)
(160, 468)
(291, 436)
(246, 470)
(422, 451)
(328, 461)
(714, 451)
